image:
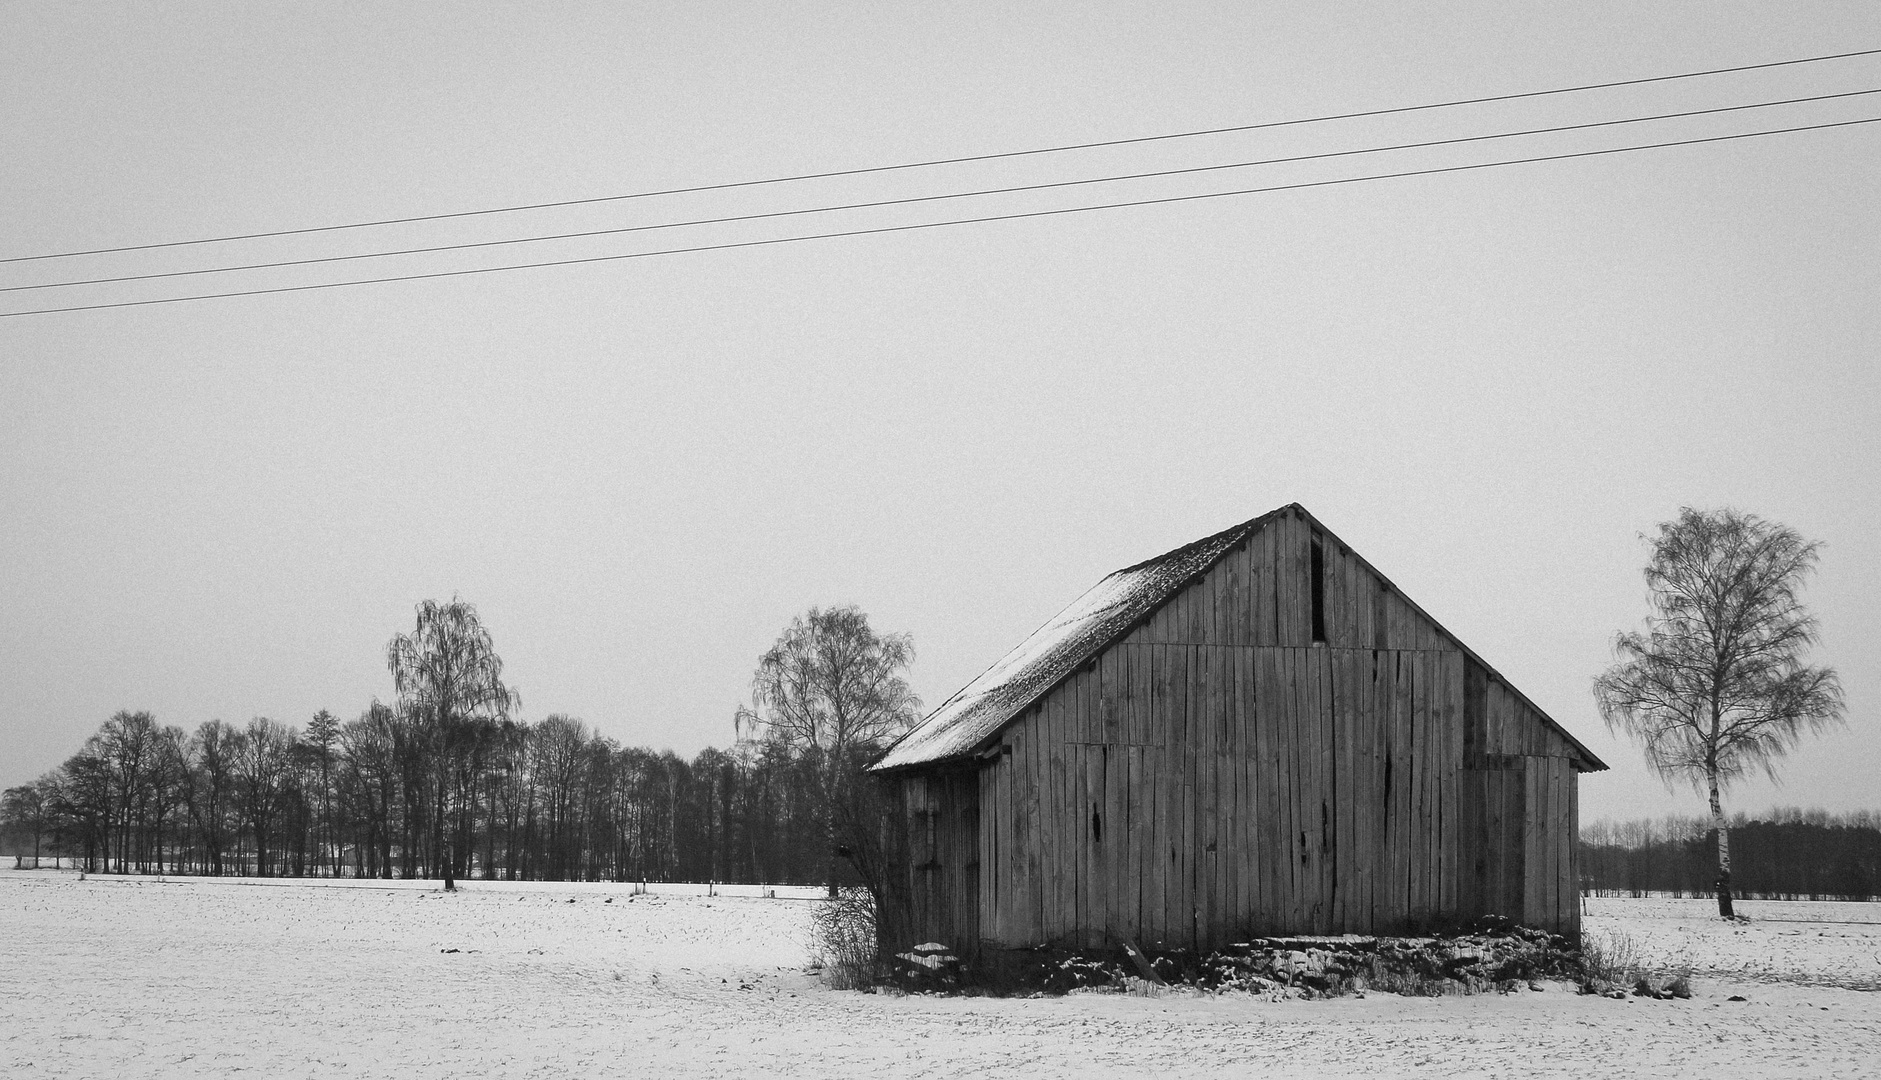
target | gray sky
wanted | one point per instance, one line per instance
(1489, 383)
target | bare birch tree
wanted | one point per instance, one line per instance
(450, 681)
(1716, 685)
(834, 689)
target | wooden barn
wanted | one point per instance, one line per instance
(1254, 734)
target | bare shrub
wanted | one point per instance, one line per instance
(1613, 964)
(842, 930)
(1609, 961)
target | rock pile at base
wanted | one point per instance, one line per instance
(1492, 955)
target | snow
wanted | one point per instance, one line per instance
(193, 977)
(1054, 650)
(1785, 941)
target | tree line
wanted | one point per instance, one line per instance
(549, 800)
(1789, 854)
(446, 782)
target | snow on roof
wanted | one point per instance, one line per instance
(1055, 650)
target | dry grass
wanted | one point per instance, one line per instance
(1612, 963)
(1608, 960)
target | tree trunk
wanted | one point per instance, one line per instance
(1724, 849)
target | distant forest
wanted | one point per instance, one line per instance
(1789, 854)
(378, 797)
(554, 800)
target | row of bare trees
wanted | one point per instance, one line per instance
(370, 798)
(446, 782)
(1786, 854)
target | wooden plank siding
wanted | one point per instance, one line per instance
(1217, 773)
(940, 813)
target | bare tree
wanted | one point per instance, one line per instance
(262, 763)
(322, 736)
(217, 747)
(25, 807)
(834, 690)
(450, 681)
(173, 786)
(1716, 685)
(125, 744)
(370, 779)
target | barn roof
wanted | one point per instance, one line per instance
(1094, 622)
(1089, 626)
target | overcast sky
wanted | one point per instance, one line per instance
(1489, 383)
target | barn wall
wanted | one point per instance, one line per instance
(1219, 774)
(938, 825)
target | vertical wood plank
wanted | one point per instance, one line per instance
(1207, 819)
(1032, 780)
(1244, 812)
(1116, 839)
(1293, 781)
(1288, 572)
(1328, 793)
(1574, 852)
(1131, 836)
(1019, 892)
(1364, 588)
(1182, 909)
(1364, 803)
(1534, 780)
(1171, 855)
(1156, 768)
(993, 850)
(1099, 826)
(1313, 783)
(1401, 818)
(1496, 855)
(1055, 843)
(1266, 605)
(1332, 590)
(1541, 868)
(1110, 676)
(1565, 896)
(1423, 827)
(1238, 621)
(1295, 675)
(1223, 896)
(1444, 714)
(1247, 806)
(1266, 791)
(1339, 786)
(1556, 845)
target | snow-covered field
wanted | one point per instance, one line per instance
(138, 978)
(1792, 942)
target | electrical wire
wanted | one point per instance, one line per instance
(955, 221)
(926, 198)
(1005, 155)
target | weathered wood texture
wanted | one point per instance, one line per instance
(940, 815)
(1218, 773)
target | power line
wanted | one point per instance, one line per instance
(1005, 155)
(956, 221)
(876, 204)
